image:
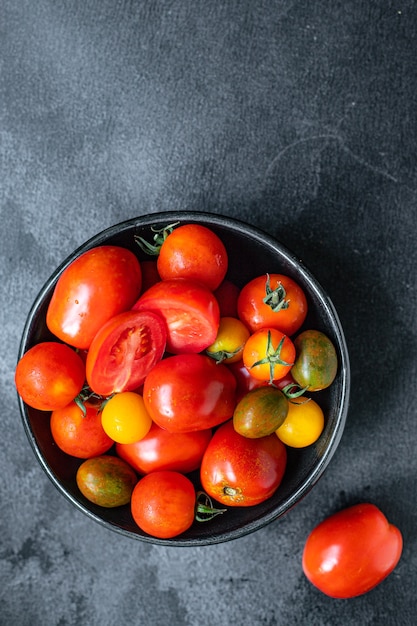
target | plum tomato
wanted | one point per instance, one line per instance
(195, 252)
(230, 341)
(125, 418)
(272, 301)
(124, 350)
(226, 295)
(238, 471)
(97, 285)
(80, 434)
(49, 375)
(188, 392)
(260, 412)
(162, 450)
(106, 481)
(315, 365)
(150, 274)
(269, 354)
(352, 551)
(303, 424)
(190, 311)
(163, 504)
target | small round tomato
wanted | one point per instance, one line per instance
(106, 481)
(124, 350)
(193, 251)
(238, 471)
(189, 309)
(272, 301)
(230, 341)
(268, 354)
(316, 363)
(97, 285)
(245, 382)
(49, 375)
(189, 392)
(226, 295)
(162, 450)
(303, 424)
(260, 412)
(78, 434)
(351, 551)
(125, 418)
(163, 504)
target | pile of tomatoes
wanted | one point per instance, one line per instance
(164, 367)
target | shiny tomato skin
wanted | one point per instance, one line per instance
(193, 251)
(162, 450)
(237, 471)
(256, 314)
(97, 285)
(49, 376)
(351, 551)
(245, 382)
(79, 435)
(260, 412)
(163, 503)
(277, 358)
(189, 392)
(124, 350)
(190, 311)
(106, 481)
(316, 362)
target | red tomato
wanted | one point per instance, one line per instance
(245, 382)
(99, 284)
(162, 450)
(193, 251)
(272, 301)
(189, 392)
(49, 376)
(269, 354)
(190, 311)
(124, 350)
(238, 471)
(352, 551)
(150, 274)
(163, 504)
(80, 435)
(226, 295)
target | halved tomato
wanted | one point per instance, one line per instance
(124, 351)
(189, 309)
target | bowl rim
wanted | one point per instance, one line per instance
(237, 225)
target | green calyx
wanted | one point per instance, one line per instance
(275, 298)
(273, 356)
(87, 395)
(160, 234)
(204, 510)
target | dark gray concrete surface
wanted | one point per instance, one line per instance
(298, 117)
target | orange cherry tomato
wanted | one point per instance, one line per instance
(268, 354)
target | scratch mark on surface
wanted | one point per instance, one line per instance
(326, 138)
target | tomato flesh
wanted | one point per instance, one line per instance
(190, 311)
(123, 352)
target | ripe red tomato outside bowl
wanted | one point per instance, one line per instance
(251, 253)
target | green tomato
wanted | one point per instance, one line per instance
(316, 362)
(260, 412)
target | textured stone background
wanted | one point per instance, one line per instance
(296, 116)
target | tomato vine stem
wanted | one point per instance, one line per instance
(160, 234)
(204, 510)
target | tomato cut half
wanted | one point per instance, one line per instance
(124, 350)
(190, 311)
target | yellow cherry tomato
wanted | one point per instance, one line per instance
(125, 418)
(303, 425)
(230, 341)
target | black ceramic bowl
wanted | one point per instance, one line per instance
(251, 253)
